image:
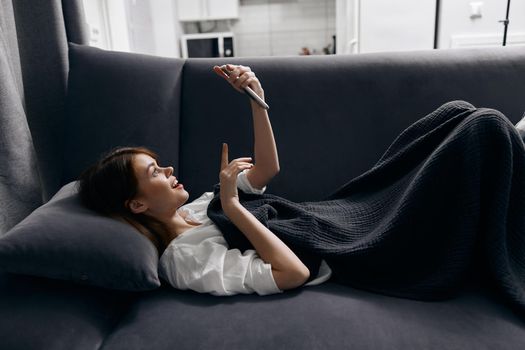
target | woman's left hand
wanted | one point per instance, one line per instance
(241, 77)
(228, 177)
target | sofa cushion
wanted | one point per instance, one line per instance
(119, 99)
(64, 240)
(328, 316)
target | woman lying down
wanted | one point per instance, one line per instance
(370, 236)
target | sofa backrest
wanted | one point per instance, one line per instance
(119, 99)
(334, 116)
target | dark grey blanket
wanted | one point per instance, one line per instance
(445, 199)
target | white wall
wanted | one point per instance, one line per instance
(117, 24)
(140, 26)
(99, 36)
(400, 25)
(108, 27)
(459, 30)
(166, 30)
(347, 26)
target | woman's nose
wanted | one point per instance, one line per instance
(169, 171)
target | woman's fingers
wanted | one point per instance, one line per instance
(241, 82)
(239, 76)
(219, 72)
(232, 172)
(234, 77)
(243, 165)
(248, 81)
(224, 156)
(236, 165)
(236, 71)
(242, 161)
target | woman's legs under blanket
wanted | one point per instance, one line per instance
(456, 178)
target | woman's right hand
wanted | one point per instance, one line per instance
(228, 177)
(240, 77)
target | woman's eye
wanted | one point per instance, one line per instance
(155, 172)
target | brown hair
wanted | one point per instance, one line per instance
(107, 185)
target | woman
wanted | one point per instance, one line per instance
(444, 194)
(131, 185)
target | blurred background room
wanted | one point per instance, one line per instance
(239, 28)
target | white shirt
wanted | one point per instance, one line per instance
(199, 259)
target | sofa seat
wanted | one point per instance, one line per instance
(328, 316)
(41, 313)
(47, 314)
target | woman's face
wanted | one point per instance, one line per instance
(157, 194)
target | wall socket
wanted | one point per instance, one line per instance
(476, 9)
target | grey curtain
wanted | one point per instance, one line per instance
(33, 76)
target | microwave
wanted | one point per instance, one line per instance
(207, 45)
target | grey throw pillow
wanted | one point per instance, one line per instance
(64, 240)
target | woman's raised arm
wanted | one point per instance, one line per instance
(265, 150)
(287, 269)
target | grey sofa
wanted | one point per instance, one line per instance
(333, 117)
